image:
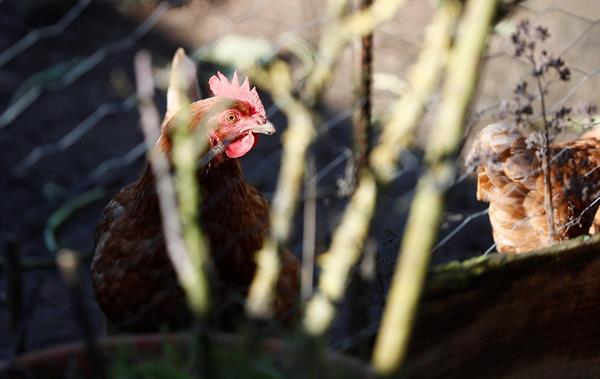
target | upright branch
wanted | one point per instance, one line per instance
(363, 128)
(338, 33)
(183, 238)
(309, 229)
(426, 209)
(186, 150)
(300, 134)
(296, 141)
(549, 208)
(526, 40)
(349, 237)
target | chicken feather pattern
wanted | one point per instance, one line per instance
(510, 179)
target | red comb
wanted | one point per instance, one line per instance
(220, 86)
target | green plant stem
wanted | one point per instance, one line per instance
(185, 243)
(309, 229)
(349, 237)
(339, 32)
(185, 155)
(409, 277)
(296, 141)
(336, 265)
(300, 134)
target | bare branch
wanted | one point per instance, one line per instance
(546, 168)
(309, 229)
(363, 128)
(423, 223)
(350, 235)
(300, 135)
(189, 272)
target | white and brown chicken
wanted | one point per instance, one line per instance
(510, 178)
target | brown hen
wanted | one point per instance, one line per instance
(133, 279)
(510, 178)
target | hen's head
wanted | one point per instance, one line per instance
(238, 113)
(233, 116)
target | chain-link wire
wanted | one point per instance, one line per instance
(394, 49)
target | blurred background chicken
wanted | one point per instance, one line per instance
(133, 280)
(510, 178)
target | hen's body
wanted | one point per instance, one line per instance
(510, 178)
(133, 279)
(132, 276)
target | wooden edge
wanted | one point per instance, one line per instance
(532, 315)
(456, 275)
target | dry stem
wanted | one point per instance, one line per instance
(350, 235)
(189, 268)
(546, 168)
(309, 230)
(363, 128)
(337, 263)
(300, 134)
(296, 141)
(339, 32)
(426, 209)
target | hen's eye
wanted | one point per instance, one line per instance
(231, 118)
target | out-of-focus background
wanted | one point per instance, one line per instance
(70, 139)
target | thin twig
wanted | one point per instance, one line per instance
(546, 168)
(300, 134)
(343, 254)
(338, 33)
(350, 235)
(415, 251)
(297, 139)
(363, 128)
(309, 229)
(179, 198)
(192, 280)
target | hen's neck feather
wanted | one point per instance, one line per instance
(233, 215)
(223, 187)
(145, 198)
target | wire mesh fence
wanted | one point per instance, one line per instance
(70, 136)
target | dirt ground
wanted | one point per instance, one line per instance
(107, 156)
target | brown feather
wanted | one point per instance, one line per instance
(133, 280)
(510, 179)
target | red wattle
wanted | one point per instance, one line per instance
(240, 146)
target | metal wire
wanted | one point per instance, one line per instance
(339, 150)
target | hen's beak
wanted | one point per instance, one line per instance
(266, 128)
